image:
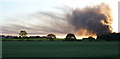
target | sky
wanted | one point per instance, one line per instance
(19, 15)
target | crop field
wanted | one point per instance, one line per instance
(59, 49)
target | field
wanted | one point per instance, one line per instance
(59, 49)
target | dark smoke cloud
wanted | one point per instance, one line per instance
(91, 20)
(88, 21)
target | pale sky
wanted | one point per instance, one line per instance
(20, 9)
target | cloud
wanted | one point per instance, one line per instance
(92, 20)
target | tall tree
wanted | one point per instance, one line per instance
(23, 33)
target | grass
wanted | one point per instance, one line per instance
(59, 49)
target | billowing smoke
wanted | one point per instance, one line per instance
(90, 21)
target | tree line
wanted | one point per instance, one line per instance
(69, 37)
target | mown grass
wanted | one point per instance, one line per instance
(59, 49)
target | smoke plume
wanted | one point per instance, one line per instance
(90, 21)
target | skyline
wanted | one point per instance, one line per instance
(24, 15)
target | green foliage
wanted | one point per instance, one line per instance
(51, 37)
(23, 33)
(89, 39)
(85, 39)
(70, 37)
(110, 37)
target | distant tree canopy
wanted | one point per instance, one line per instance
(23, 33)
(110, 37)
(51, 36)
(70, 37)
(89, 39)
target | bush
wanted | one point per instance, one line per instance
(51, 37)
(70, 37)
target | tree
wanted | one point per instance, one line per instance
(23, 34)
(105, 37)
(51, 37)
(110, 37)
(70, 37)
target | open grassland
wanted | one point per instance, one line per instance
(59, 49)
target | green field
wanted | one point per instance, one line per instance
(59, 49)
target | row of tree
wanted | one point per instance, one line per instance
(70, 37)
(109, 37)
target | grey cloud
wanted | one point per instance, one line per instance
(89, 20)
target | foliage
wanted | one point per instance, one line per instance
(23, 33)
(51, 37)
(110, 37)
(70, 37)
(88, 39)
